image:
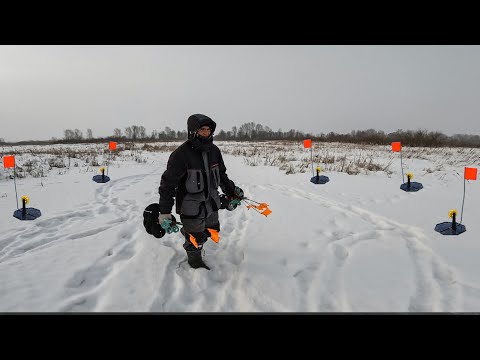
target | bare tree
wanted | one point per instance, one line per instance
(268, 132)
(138, 132)
(129, 132)
(246, 130)
(117, 133)
(78, 134)
(68, 134)
(142, 132)
(135, 132)
(170, 133)
(89, 134)
(221, 135)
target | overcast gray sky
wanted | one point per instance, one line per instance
(313, 88)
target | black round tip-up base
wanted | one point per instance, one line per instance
(445, 228)
(99, 179)
(30, 214)
(319, 179)
(414, 186)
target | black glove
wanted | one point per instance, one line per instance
(225, 200)
(150, 221)
(226, 203)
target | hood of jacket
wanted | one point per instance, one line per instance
(196, 121)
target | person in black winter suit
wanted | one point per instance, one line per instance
(195, 171)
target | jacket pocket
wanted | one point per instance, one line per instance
(215, 176)
(194, 183)
(191, 204)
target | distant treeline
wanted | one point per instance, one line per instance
(257, 132)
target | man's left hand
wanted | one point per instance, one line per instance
(228, 202)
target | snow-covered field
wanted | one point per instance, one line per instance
(356, 243)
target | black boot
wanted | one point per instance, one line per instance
(195, 259)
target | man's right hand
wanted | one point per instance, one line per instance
(162, 217)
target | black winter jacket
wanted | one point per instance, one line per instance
(185, 180)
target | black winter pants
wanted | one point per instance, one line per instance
(197, 228)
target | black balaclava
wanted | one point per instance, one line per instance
(195, 122)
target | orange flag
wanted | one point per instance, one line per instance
(396, 146)
(307, 143)
(112, 145)
(266, 212)
(9, 161)
(470, 173)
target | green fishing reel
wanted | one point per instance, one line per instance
(168, 227)
(239, 192)
(237, 200)
(233, 204)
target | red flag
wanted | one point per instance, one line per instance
(112, 145)
(470, 173)
(307, 143)
(9, 161)
(396, 146)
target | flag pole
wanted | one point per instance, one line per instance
(401, 165)
(16, 195)
(463, 201)
(311, 158)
